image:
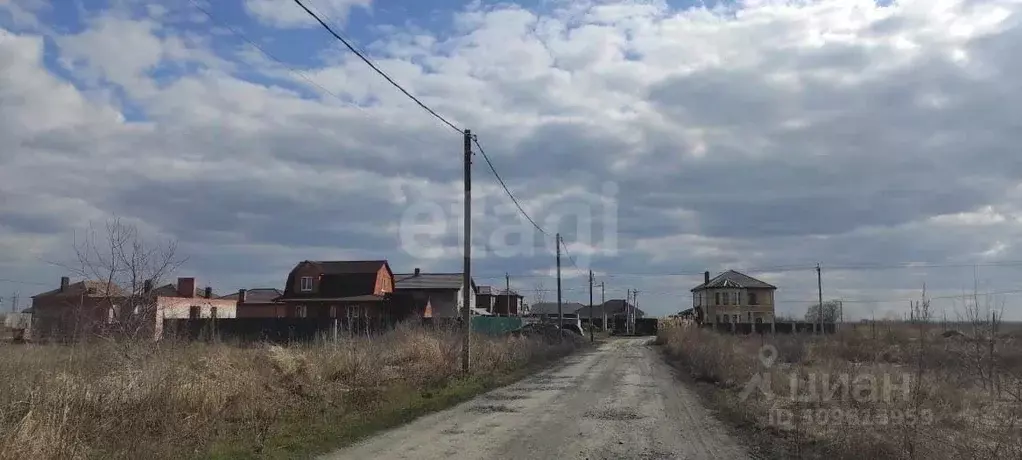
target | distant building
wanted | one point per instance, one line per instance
(183, 300)
(733, 297)
(485, 298)
(443, 292)
(75, 310)
(258, 303)
(508, 303)
(355, 292)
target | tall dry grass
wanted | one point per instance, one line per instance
(194, 400)
(950, 397)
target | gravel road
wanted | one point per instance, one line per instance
(617, 402)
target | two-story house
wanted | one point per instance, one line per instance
(442, 291)
(354, 292)
(733, 297)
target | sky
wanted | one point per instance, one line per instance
(660, 139)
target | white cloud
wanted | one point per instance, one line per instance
(773, 135)
(286, 14)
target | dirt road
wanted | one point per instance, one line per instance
(618, 402)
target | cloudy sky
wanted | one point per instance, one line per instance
(661, 139)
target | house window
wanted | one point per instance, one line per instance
(301, 311)
(735, 318)
(752, 299)
(750, 317)
(726, 319)
(716, 298)
(306, 283)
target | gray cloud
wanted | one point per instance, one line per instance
(733, 143)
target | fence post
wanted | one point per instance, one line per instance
(773, 326)
(335, 330)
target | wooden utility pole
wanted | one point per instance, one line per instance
(819, 292)
(466, 282)
(560, 314)
(603, 305)
(592, 321)
(635, 298)
(628, 302)
(507, 291)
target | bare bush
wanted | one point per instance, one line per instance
(191, 399)
(950, 396)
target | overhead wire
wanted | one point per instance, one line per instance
(377, 69)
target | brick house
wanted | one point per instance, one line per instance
(185, 300)
(443, 291)
(733, 297)
(75, 310)
(258, 303)
(355, 293)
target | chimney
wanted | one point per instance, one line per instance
(417, 271)
(64, 283)
(706, 277)
(241, 296)
(147, 286)
(186, 287)
(209, 292)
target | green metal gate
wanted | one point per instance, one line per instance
(495, 325)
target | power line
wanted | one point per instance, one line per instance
(377, 69)
(475, 139)
(572, 259)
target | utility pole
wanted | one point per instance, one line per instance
(14, 303)
(466, 282)
(635, 296)
(819, 291)
(628, 303)
(507, 291)
(560, 314)
(603, 305)
(592, 321)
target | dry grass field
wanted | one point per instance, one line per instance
(883, 391)
(198, 400)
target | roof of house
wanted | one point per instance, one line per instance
(452, 281)
(733, 279)
(170, 290)
(339, 279)
(88, 288)
(550, 308)
(583, 312)
(504, 292)
(617, 307)
(257, 295)
(347, 267)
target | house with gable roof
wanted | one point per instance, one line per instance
(733, 297)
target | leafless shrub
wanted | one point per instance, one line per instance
(970, 385)
(179, 400)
